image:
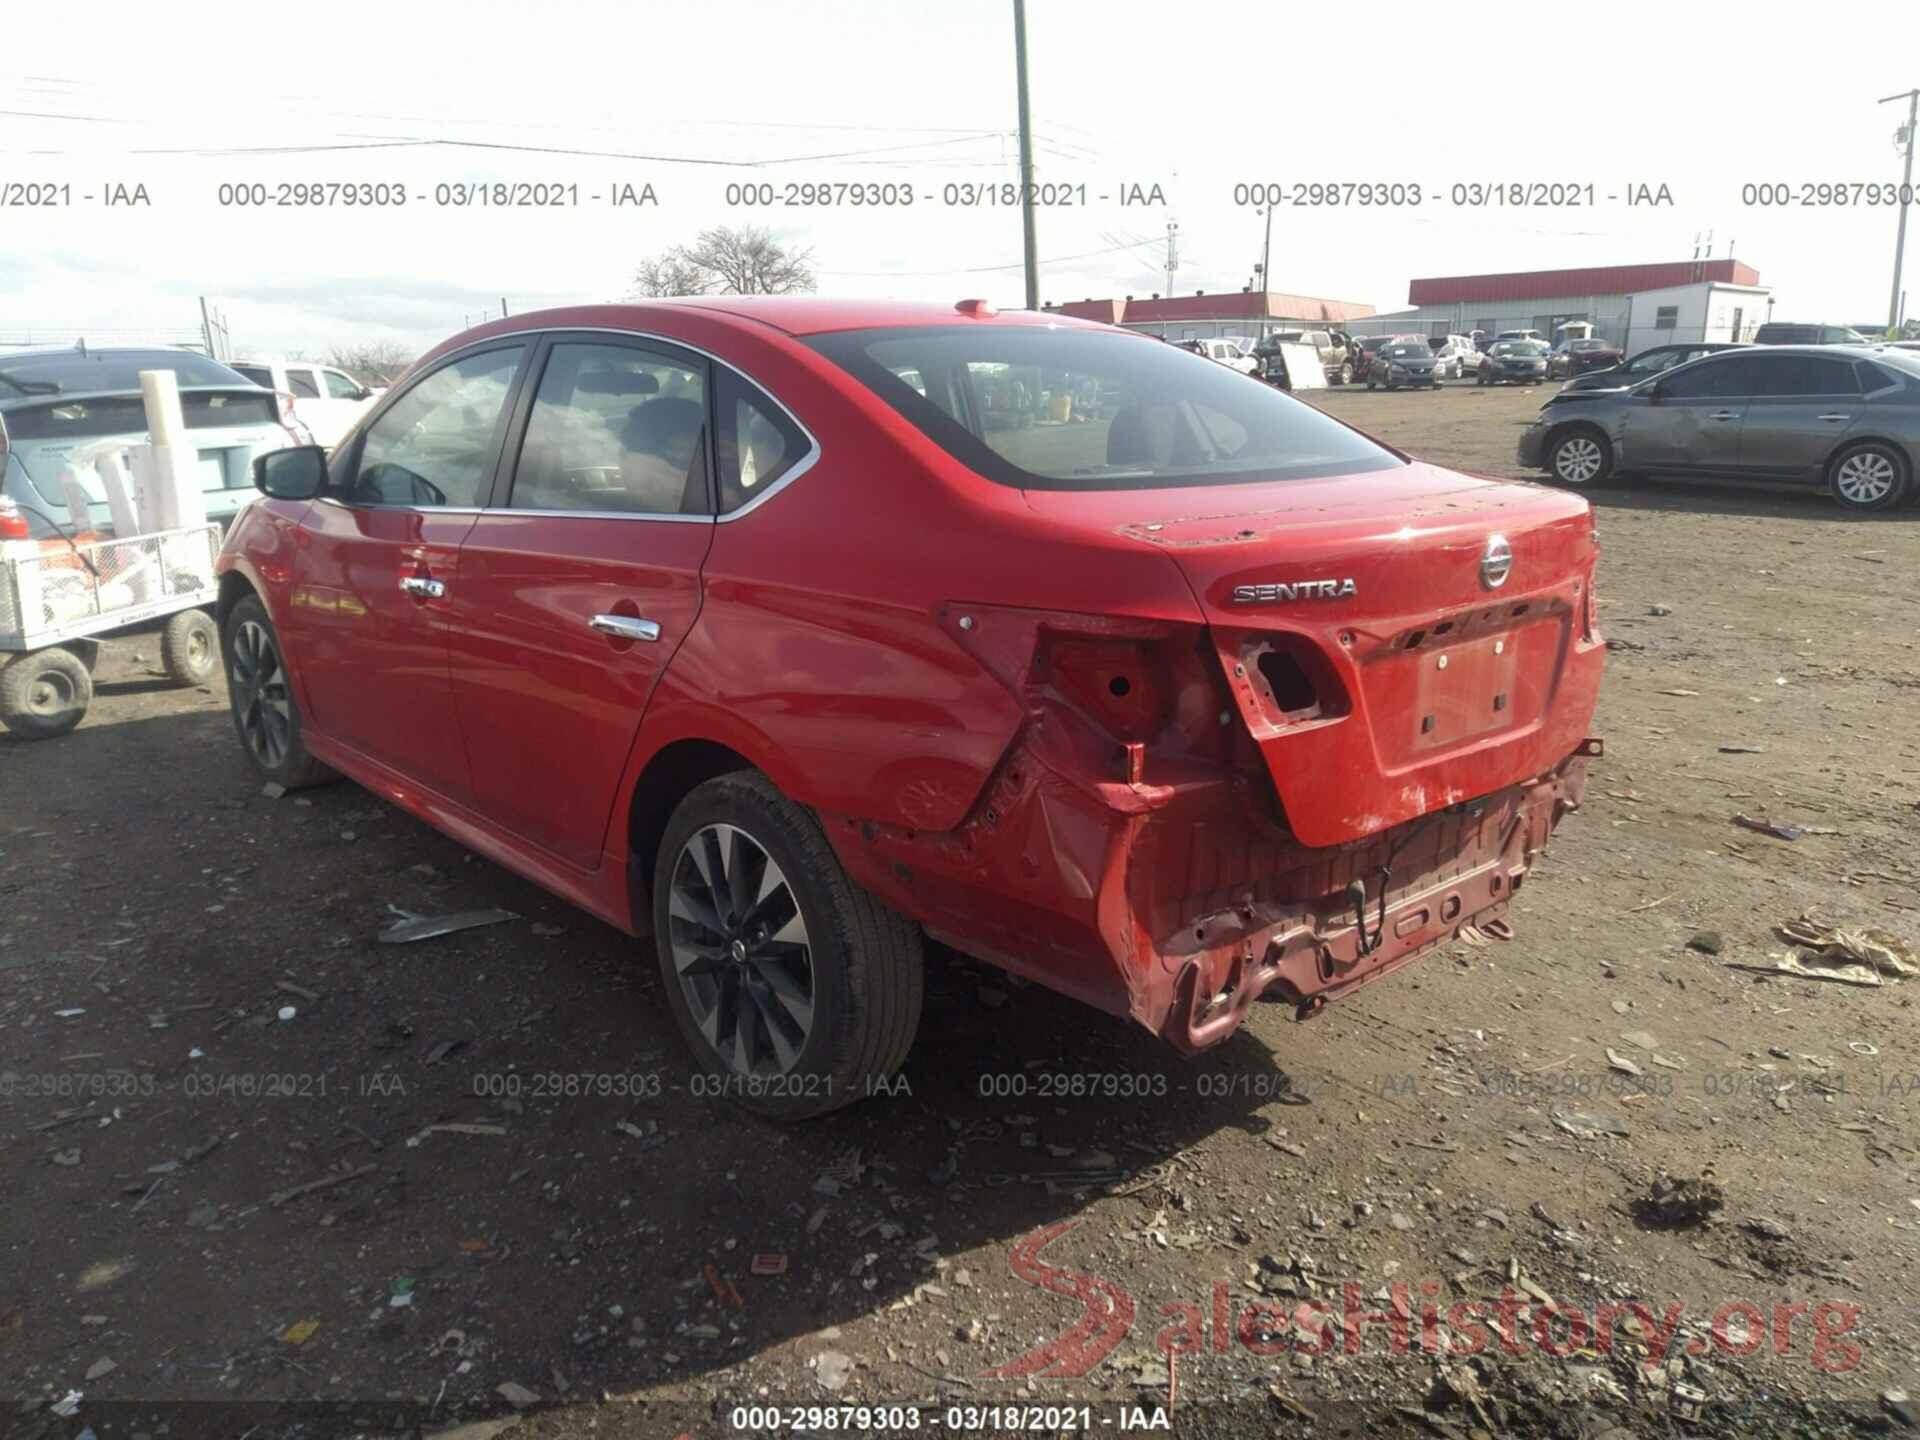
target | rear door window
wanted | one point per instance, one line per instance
(434, 446)
(617, 430)
(259, 374)
(341, 387)
(300, 380)
(1710, 379)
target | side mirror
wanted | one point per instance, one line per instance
(366, 393)
(299, 473)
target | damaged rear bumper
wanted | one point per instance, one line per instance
(1177, 906)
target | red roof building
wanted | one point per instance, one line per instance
(1242, 311)
(1565, 284)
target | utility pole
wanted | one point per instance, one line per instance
(1031, 250)
(503, 307)
(206, 328)
(1266, 272)
(1173, 253)
(1912, 97)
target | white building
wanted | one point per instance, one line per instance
(1632, 305)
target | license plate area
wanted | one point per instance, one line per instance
(1456, 693)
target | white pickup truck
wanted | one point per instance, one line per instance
(326, 400)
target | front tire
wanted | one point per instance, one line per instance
(1868, 477)
(1346, 375)
(1580, 457)
(796, 991)
(265, 714)
(44, 693)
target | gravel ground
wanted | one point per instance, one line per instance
(475, 1162)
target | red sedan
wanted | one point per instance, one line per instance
(793, 633)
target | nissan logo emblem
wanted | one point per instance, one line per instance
(1496, 563)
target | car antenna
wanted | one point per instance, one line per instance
(81, 346)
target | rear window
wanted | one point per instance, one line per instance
(1046, 409)
(83, 419)
(1409, 349)
(74, 373)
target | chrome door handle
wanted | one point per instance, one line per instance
(625, 627)
(1724, 415)
(1836, 417)
(423, 586)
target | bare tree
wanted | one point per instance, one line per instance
(727, 261)
(372, 362)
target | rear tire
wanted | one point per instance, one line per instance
(190, 647)
(266, 715)
(44, 693)
(1581, 457)
(1868, 477)
(796, 991)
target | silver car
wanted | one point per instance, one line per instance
(54, 401)
(1844, 417)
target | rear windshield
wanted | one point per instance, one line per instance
(80, 419)
(1044, 409)
(74, 373)
(1586, 347)
(1407, 349)
(1523, 348)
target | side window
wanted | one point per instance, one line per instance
(1874, 377)
(300, 381)
(759, 444)
(435, 445)
(615, 429)
(259, 374)
(341, 387)
(1790, 375)
(1708, 380)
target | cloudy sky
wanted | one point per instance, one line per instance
(693, 99)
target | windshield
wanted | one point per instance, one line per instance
(1523, 348)
(71, 373)
(1408, 349)
(1070, 409)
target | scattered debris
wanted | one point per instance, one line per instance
(1834, 945)
(723, 1288)
(1640, 1039)
(1741, 750)
(281, 1197)
(299, 1332)
(1622, 1064)
(768, 1263)
(1680, 1204)
(1587, 1124)
(832, 1369)
(410, 926)
(1777, 829)
(100, 1369)
(1707, 942)
(516, 1395)
(287, 1012)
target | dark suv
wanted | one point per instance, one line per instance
(1781, 333)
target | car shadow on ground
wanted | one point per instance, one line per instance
(505, 1119)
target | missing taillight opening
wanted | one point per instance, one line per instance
(1293, 689)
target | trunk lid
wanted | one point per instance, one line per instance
(1382, 658)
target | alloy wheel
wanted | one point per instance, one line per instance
(1864, 478)
(1577, 460)
(260, 695)
(740, 949)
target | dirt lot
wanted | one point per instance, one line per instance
(475, 1161)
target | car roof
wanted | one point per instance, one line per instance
(808, 314)
(69, 352)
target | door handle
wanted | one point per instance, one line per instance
(625, 627)
(423, 586)
(1836, 418)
